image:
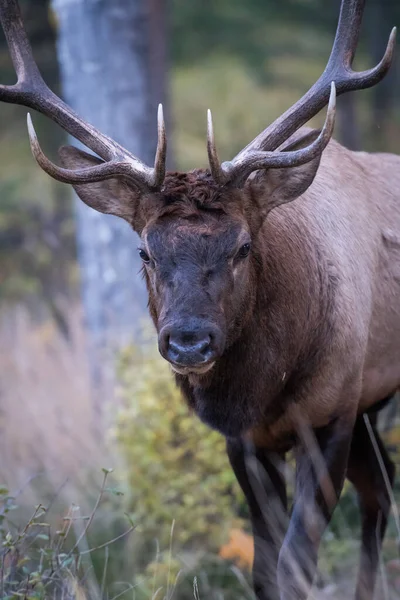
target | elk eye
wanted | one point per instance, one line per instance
(244, 250)
(144, 256)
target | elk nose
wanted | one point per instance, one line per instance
(188, 347)
(183, 349)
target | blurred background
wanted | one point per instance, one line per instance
(81, 385)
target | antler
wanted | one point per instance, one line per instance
(30, 90)
(257, 154)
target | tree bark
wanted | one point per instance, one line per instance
(104, 53)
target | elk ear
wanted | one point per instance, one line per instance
(285, 185)
(110, 196)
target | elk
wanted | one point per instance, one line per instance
(274, 286)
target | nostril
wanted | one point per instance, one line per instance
(204, 345)
(173, 347)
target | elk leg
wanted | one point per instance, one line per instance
(259, 474)
(365, 473)
(321, 463)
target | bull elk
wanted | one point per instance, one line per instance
(274, 286)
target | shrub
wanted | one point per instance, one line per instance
(40, 560)
(176, 467)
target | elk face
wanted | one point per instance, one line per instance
(198, 271)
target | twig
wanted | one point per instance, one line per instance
(128, 589)
(106, 544)
(2, 573)
(91, 517)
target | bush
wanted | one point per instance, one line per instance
(47, 556)
(176, 468)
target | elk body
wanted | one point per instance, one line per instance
(274, 285)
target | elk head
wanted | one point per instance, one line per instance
(199, 230)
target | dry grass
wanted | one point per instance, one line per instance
(45, 407)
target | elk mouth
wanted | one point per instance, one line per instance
(192, 369)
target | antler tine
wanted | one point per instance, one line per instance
(365, 79)
(161, 153)
(215, 165)
(338, 70)
(31, 91)
(103, 171)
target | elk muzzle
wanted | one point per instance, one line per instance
(191, 344)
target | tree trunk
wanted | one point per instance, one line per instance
(104, 53)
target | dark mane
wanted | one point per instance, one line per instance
(187, 194)
(190, 196)
(197, 185)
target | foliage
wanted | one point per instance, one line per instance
(251, 31)
(240, 549)
(92, 556)
(244, 30)
(38, 561)
(175, 467)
